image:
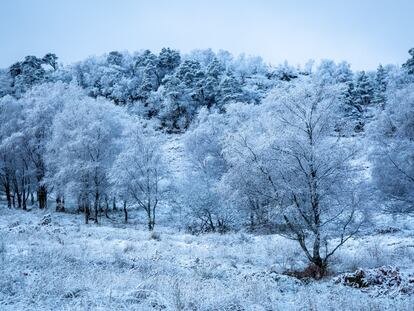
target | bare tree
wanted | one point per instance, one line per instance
(139, 172)
(296, 164)
(393, 169)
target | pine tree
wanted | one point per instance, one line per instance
(192, 77)
(26, 74)
(147, 64)
(51, 59)
(349, 98)
(149, 81)
(363, 95)
(212, 81)
(115, 58)
(230, 90)
(363, 90)
(379, 97)
(409, 64)
(168, 60)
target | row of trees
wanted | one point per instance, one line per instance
(57, 140)
(171, 88)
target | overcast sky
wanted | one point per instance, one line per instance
(363, 32)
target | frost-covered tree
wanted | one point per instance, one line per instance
(51, 60)
(315, 170)
(83, 146)
(174, 105)
(409, 64)
(203, 145)
(296, 161)
(363, 90)
(284, 72)
(10, 146)
(358, 99)
(246, 183)
(16, 170)
(116, 76)
(380, 87)
(183, 94)
(115, 58)
(168, 60)
(213, 75)
(27, 73)
(40, 108)
(230, 90)
(150, 78)
(393, 159)
(5, 83)
(139, 172)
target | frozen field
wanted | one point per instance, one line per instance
(66, 265)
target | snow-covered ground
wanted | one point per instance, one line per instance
(66, 265)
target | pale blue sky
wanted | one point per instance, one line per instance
(363, 32)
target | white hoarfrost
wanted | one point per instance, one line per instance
(66, 265)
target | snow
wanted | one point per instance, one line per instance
(67, 265)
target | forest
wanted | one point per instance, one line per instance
(213, 163)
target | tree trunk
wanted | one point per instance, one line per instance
(106, 207)
(42, 196)
(80, 204)
(60, 205)
(125, 212)
(153, 217)
(16, 189)
(19, 198)
(86, 210)
(24, 199)
(114, 204)
(8, 193)
(96, 206)
(150, 225)
(210, 222)
(25, 193)
(57, 203)
(321, 267)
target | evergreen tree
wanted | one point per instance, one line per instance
(285, 72)
(409, 64)
(379, 97)
(114, 58)
(30, 72)
(363, 90)
(26, 74)
(212, 81)
(168, 60)
(51, 59)
(147, 63)
(149, 80)
(192, 76)
(5, 82)
(349, 99)
(362, 100)
(230, 90)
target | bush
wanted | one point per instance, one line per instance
(310, 272)
(382, 280)
(155, 236)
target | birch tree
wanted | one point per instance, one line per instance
(139, 171)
